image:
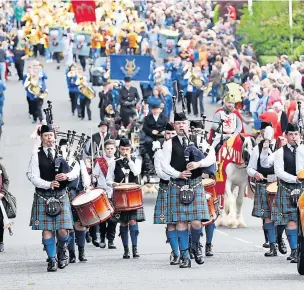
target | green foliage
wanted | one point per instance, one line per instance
(267, 28)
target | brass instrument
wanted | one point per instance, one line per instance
(84, 89)
(109, 110)
(33, 86)
(71, 74)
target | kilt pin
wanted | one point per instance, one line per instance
(196, 210)
(282, 210)
(261, 207)
(161, 205)
(41, 221)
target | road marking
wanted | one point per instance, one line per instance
(222, 233)
(243, 241)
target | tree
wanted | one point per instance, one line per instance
(267, 28)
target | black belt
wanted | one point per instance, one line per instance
(162, 181)
(284, 183)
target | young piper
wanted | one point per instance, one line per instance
(125, 171)
(107, 229)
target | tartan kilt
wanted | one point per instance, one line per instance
(72, 194)
(179, 212)
(282, 210)
(261, 208)
(126, 216)
(41, 221)
(161, 206)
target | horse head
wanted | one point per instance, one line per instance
(247, 148)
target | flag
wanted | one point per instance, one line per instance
(84, 10)
(137, 67)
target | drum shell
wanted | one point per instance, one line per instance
(95, 211)
(127, 199)
(270, 195)
(212, 203)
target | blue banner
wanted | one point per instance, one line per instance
(137, 67)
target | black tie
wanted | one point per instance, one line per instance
(184, 142)
(50, 155)
(294, 149)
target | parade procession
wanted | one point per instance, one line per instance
(151, 144)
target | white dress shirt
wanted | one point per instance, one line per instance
(167, 152)
(300, 158)
(33, 173)
(158, 164)
(101, 179)
(266, 160)
(279, 166)
(155, 117)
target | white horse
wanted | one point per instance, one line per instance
(236, 184)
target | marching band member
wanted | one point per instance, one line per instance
(261, 167)
(50, 183)
(186, 179)
(161, 206)
(85, 102)
(125, 171)
(71, 78)
(76, 186)
(284, 208)
(107, 229)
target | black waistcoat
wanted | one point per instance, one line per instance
(289, 161)
(178, 161)
(47, 168)
(119, 175)
(263, 170)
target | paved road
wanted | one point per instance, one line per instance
(238, 260)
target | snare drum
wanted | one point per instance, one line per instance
(127, 197)
(271, 191)
(93, 207)
(209, 185)
(213, 204)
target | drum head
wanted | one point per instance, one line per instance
(272, 188)
(208, 195)
(127, 186)
(86, 197)
(208, 182)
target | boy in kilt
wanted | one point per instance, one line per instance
(261, 167)
(186, 197)
(161, 206)
(284, 208)
(50, 180)
(126, 171)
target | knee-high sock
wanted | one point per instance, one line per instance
(62, 241)
(269, 227)
(292, 236)
(195, 235)
(124, 234)
(280, 229)
(134, 233)
(183, 238)
(173, 240)
(71, 245)
(209, 233)
(81, 238)
(50, 247)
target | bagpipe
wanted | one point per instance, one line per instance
(300, 122)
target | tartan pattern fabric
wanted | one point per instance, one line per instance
(179, 212)
(260, 205)
(41, 221)
(161, 205)
(282, 210)
(137, 215)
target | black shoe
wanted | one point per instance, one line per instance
(111, 245)
(272, 252)
(198, 254)
(185, 263)
(282, 247)
(63, 258)
(82, 257)
(126, 254)
(208, 250)
(134, 251)
(174, 260)
(289, 257)
(191, 254)
(88, 237)
(102, 243)
(72, 257)
(266, 245)
(294, 256)
(1, 247)
(96, 244)
(52, 265)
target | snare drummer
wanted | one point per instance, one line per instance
(189, 177)
(107, 228)
(127, 171)
(261, 167)
(42, 174)
(284, 209)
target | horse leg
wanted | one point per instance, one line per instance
(228, 203)
(232, 203)
(239, 204)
